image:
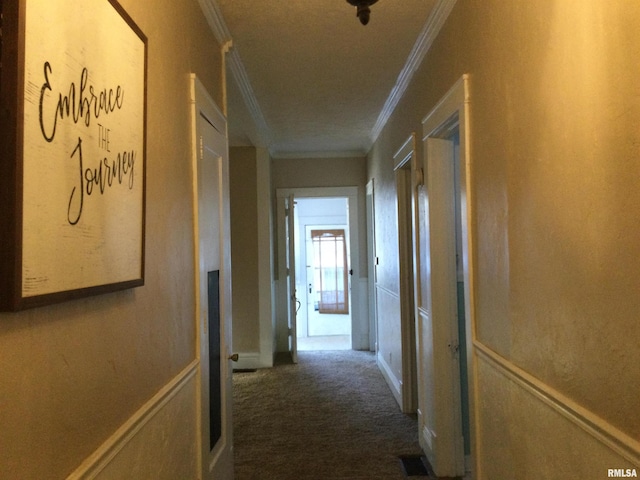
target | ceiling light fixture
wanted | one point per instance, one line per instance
(362, 9)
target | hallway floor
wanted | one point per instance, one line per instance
(324, 342)
(331, 416)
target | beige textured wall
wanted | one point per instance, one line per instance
(555, 117)
(244, 248)
(318, 172)
(75, 372)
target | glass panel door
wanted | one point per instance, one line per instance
(330, 270)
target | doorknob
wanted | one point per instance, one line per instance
(233, 358)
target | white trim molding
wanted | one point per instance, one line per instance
(394, 383)
(99, 460)
(250, 361)
(426, 38)
(216, 21)
(428, 34)
(319, 154)
(244, 84)
(438, 235)
(405, 152)
(219, 28)
(605, 433)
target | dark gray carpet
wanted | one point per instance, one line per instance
(331, 416)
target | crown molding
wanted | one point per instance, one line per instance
(219, 28)
(242, 79)
(276, 155)
(214, 17)
(422, 45)
(426, 38)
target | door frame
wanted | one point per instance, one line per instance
(290, 247)
(372, 262)
(404, 164)
(448, 458)
(308, 258)
(217, 462)
(359, 323)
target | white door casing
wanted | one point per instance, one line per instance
(212, 248)
(359, 321)
(404, 163)
(290, 229)
(372, 261)
(439, 404)
(442, 305)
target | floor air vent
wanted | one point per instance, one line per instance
(414, 466)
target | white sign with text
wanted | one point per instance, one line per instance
(83, 159)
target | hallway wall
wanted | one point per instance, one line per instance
(82, 373)
(252, 259)
(555, 117)
(244, 248)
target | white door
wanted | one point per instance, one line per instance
(436, 313)
(213, 286)
(290, 228)
(444, 312)
(443, 281)
(328, 293)
(372, 264)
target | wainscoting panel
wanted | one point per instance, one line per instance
(158, 441)
(536, 432)
(360, 315)
(390, 339)
(394, 383)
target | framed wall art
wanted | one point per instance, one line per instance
(72, 158)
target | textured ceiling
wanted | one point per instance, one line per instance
(319, 78)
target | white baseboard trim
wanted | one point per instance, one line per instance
(249, 361)
(395, 385)
(428, 437)
(98, 460)
(605, 433)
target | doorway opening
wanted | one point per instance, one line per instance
(444, 293)
(322, 259)
(404, 166)
(291, 278)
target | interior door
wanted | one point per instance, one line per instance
(330, 263)
(213, 287)
(436, 312)
(290, 228)
(372, 268)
